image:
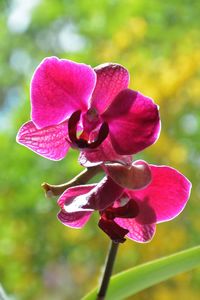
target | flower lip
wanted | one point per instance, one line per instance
(129, 210)
(107, 220)
(113, 230)
(102, 135)
(80, 142)
(72, 125)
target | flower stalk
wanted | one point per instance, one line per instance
(108, 270)
(82, 178)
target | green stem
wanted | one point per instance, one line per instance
(108, 270)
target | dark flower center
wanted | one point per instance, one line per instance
(83, 141)
(110, 227)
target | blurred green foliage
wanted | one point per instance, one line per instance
(159, 43)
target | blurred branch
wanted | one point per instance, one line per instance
(81, 178)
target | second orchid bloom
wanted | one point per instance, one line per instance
(128, 207)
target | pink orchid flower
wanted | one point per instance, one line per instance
(74, 105)
(157, 194)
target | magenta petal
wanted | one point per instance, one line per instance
(104, 194)
(71, 193)
(137, 232)
(104, 153)
(98, 198)
(58, 88)
(49, 142)
(74, 220)
(113, 230)
(164, 198)
(111, 79)
(134, 122)
(135, 176)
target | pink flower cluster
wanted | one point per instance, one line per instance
(93, 110)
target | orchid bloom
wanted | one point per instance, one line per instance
(130, 200)
(74, 105)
